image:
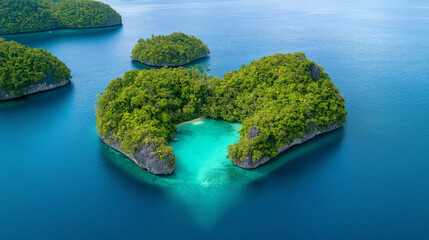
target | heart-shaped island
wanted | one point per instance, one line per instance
(281, 100)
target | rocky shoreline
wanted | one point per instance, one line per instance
(172, 65)
(44, 85)
(144, 158)
(61, 28)
(254, 132)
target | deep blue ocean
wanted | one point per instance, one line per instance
(368, 180)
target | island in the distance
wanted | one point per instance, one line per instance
(26, 71)
(24, 16)
(176, 49)
(281, 100)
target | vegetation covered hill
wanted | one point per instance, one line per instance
(175, 49)
(283, 96)
(22, 67)
(145, 106)
(20, 16)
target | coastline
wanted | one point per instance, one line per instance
(37, 88)
(250, 164)
(172, 65)
(144, 159)
(54, 29)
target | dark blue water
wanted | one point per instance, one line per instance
(369, 180)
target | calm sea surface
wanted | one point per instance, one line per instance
(369, 180)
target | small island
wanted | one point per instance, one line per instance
(176, 49)
(25, 16)
(281, 100)
(26, 71)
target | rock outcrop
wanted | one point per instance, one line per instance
(145, 157)
(45, 84)
(254, 132)
(315, 72)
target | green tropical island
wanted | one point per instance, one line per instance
(176, 49)
(24, 16)
(281, 100)
(26, 71)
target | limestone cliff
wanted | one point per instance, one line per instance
(45, 84)
(145, 158)
(254, 132)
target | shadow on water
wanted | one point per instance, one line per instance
(55, 35)
(200, 61)
(140, 66)
(56, 95)
(128, 172)
(296, 162)
(209, 196)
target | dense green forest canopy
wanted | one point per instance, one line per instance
(283, 95)
(19, 16)
(21, 67)
(175, 49)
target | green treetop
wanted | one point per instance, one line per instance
(175, 49)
